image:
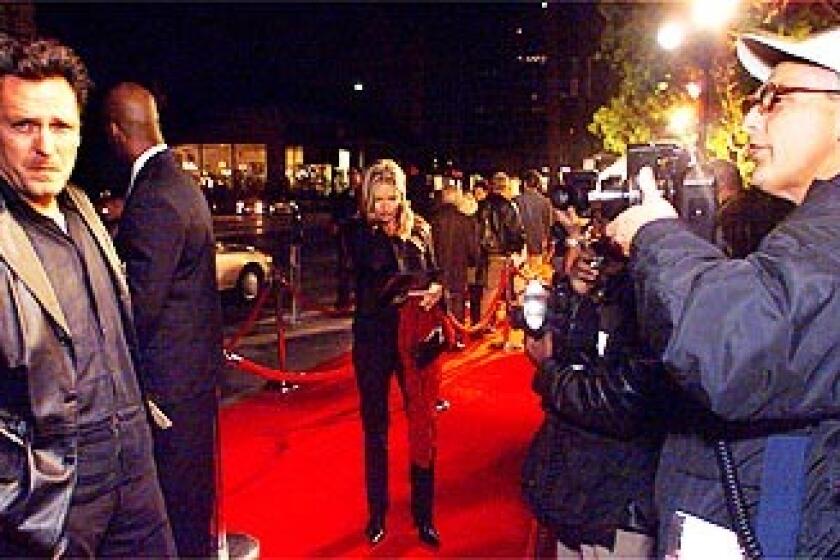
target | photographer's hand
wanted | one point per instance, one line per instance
(583, 273)
(538, 349)
(653, 207)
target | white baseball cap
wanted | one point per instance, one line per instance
(760, 52)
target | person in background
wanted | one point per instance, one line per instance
(536, 213)
(456, 247)
(398, 297)
(345, 209)
(165, 237)
(502, 239)
(477, 277)
(77, 476)
(744, 216)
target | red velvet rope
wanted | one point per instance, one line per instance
(274, 374)
(279, 374)
(250, 321)
(489, 315)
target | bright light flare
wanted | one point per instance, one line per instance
(670, 35)
(713, 14)
(682, 120)
(694, 89)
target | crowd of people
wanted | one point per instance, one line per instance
(699, 376)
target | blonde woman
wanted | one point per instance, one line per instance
(397, 305)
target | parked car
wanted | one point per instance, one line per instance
(239, 267)
(242, 268)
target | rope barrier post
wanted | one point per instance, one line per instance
(281, 287)
(294, 279)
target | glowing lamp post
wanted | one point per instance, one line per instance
(708, 17)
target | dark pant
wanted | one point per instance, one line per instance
(375, 361)
(126, 522)
(119, 512)
(476, 295)
(185, 461)
(455, 303)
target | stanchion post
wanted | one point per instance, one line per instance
(294, 279)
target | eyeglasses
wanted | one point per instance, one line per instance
(769, 94)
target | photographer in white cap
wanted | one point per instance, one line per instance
(754, 342)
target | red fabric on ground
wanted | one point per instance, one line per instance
(293, 477)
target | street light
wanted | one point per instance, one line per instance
(670, 35)
(708, 16)
(682, 121)
(713, 14)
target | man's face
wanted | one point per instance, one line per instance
(39, 136)
(796, 140)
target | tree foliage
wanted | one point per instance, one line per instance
(648, 82)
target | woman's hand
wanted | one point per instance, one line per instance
(433, 294)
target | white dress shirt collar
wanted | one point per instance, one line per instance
(141, 161)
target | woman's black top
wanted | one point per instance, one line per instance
(386, 267)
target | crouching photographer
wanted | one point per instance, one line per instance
(589, 474)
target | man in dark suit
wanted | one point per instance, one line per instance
(165, 237)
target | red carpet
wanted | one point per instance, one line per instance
(293, 473)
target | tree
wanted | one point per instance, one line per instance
(649, 82)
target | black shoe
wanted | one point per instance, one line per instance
(442, 405)
(375, 530)
(428, 534)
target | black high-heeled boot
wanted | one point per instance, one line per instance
(422, 499)
(375, 529)
(376, 482)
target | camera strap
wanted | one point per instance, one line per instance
(782, 492)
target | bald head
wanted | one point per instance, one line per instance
(133, 122)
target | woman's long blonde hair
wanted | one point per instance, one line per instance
(387, 171)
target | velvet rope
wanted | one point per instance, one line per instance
(482, 323)
(274, 374)
(249, 322)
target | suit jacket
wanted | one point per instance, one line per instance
(456, 245)
(38, 395)
(166, 239)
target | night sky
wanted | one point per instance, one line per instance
(221, 55)
(200, 59)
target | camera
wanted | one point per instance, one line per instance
(678, 178)
(680, 181)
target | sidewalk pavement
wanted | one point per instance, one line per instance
(311, 340)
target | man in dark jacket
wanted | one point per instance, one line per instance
(501, 236)
(165, 236)
(536, 214)
(76, 473)
(754, 342)
(456, 245)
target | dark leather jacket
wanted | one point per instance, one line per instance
(38, 405)
(590, 469)
(500, 228)
(388, 266)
